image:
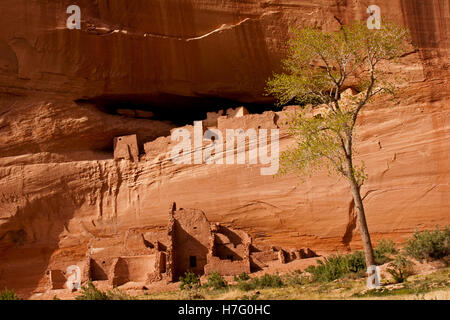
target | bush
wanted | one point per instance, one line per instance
(386, 247)
(246, 285)
(8, 295)
(265, 281)
(337, 266)
(270, 281)
(429, 245)
(400, 268)
(354, 264)
(333, 268)
(242, 277)
(383, 251)
(90, 292)
(189, 281)
(216, 281)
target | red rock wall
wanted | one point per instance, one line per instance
(187, 47)
(60, 187)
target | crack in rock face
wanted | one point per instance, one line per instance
(223, 27)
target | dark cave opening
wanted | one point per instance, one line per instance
(179, 110)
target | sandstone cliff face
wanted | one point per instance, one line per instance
(60, 186)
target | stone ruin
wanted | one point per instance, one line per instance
(126, 147)
(212, 118)
(189, 243)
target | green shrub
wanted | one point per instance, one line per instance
(246, 285)
(189, 281)
(270, 281)
(337, 266)
(8, 295)
(90, 292)
(356, 262)
(383, 251)
(400, 268)
(242, 277)
(386, 247)
(429, 245)
(216, 281)
(265, 281)
(353, 265)
(330, 269)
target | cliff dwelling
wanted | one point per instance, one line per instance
(189, 243)
(126, 147)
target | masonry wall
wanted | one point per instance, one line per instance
(99, 268)
(267, 120)
(265, 256)
(134, 269)
(227, 267)
(57, 279)
(126, 147)
(191, 241)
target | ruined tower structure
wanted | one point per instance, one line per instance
(126, 147)
(202, 247)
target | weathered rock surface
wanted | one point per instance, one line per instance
(60, 186)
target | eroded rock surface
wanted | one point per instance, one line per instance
(60, 187)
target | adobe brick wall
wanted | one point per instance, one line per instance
(267, 120)
(227, 267)
(56, 279)
(126, 147)
(191, 238)
(136, 244)
(265, 256)
(134, 269)
(99, 269)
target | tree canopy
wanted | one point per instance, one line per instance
(320, 66)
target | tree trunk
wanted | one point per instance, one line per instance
(365, 236)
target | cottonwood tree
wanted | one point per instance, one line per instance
(319, 68)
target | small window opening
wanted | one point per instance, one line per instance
(192, 261)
